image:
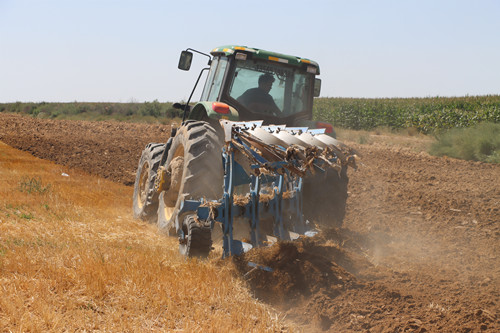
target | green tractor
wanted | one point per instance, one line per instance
(243, 84)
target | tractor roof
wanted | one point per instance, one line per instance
(229, 50)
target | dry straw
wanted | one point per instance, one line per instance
(73, 259)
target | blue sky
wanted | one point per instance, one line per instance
(121, 51)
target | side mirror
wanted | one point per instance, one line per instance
(185, 60)
(317, 87)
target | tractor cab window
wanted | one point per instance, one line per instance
(270, 89)
(215, 79)
(300, 93)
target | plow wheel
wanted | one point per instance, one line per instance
(194, 171)
(195, 238)
(145, 200)
(325, 197)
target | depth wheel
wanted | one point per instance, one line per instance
(195, 238)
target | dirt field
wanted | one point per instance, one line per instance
(419, 251)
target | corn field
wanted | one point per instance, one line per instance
(424, 114)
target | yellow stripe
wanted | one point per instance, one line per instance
(278, 60)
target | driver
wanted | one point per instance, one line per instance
(258, 99)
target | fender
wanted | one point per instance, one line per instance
(318, 124)
(203, 110)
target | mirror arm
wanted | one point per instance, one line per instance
(186, 107)
(209, 57)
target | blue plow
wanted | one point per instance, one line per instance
(270, 161)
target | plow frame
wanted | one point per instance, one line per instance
(276, 208)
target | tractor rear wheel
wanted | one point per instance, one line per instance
(145, 199)
(325, 197)
(193, 170)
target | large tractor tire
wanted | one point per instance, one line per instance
(193, 170)
(325, 197)
(145, 200)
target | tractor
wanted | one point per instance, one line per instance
(247, 163)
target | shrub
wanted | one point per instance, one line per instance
(479, 143)
(153, 108)
(33, 185)
(174, 113)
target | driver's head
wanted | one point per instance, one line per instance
(266, 82)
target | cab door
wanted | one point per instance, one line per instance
(215, 79)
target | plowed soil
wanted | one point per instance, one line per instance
(419, 251)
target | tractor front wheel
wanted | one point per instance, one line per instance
(145, 199)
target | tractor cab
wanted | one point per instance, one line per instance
(257, 84)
